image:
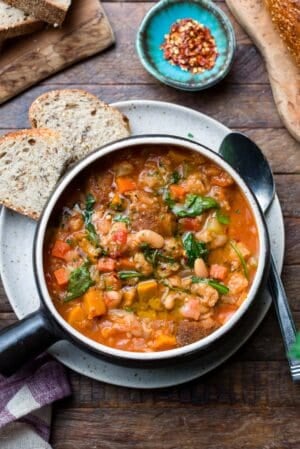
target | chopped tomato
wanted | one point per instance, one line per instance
(177, 192)
(106, 264)
(60, 249)
(191, 224)
(61, 276)
(125, 184)
(218, 272)
(120, 236)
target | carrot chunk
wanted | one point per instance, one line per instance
(125, 263)
(60, 249)
(62, 277)
(163, 342)
(177, 192)
(218, 272)
(106, 264)
(125, 183)
(93, 303)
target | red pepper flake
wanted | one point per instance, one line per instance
(190, 46)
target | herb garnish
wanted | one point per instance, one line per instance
(122, 219)
(194, 249)
(241, 257)
(154, 256)
(194, 205)
(221, 288)
(222, 218)
(129, 275)
(92, 235)
(175, 177)
(79, 282)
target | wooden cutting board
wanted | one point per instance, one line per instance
(30, 59)
(283, 73)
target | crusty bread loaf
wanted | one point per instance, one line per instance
(31, 163)
(286, 17)
(86, 122)
(14, 22)
(51, 11)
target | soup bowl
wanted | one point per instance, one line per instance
(37, 332)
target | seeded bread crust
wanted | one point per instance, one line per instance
(86, 122)
(14, 22)
(286, 17)
(31, 163)
(50, 11)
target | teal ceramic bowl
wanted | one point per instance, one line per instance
(157, 24)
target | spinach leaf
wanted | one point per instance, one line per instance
(294, 352)
(129, 275)
(175, 177)
(79, 282)
(154, 256)
(241, 257)
(167, 199)
(193, 248)
(222, 218)
(221, 288)
(91, 232)
(122, 218)
(194, 205)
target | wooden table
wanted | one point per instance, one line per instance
(250, 401)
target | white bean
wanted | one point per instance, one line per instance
(153, 239)
(200, 268)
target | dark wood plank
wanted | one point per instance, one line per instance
(211, 427)
(247, 106)
(235, 382)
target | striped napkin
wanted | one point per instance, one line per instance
(25, 398)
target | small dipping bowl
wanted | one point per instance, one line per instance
(158, 22)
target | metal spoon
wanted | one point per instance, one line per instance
(248, 160)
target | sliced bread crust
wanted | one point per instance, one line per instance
(14, 22)
(51, 11)
(86, 122)
(31, 163)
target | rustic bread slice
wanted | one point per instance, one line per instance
(85, 121)
(14, 22)
(31, 163)
(51, 11)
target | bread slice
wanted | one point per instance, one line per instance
(86, 122)
(14, 22)
(51, 11)
(31, 163)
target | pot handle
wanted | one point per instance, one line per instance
(25, 340)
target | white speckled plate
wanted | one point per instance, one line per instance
(16, 242)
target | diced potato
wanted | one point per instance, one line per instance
(147, 289)
(93, 303)
(129, 296)
(76, 315)
(155, 304)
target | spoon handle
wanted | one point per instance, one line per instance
(284, 314)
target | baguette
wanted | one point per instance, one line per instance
(51, 11)
(86, 122)
(14, 22)
(31, 163)
(286, 17)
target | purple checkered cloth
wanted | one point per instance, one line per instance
(25, 414)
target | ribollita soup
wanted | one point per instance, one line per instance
(151, 249)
